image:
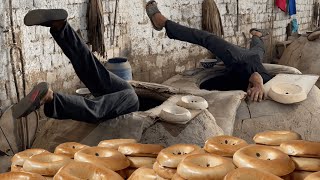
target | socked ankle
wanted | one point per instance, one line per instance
(58, 25)
(48, 97)
(159, 20)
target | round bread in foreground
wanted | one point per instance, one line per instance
(275, 138)
(103, 157)
(301, 148)
(138, 162)
(205, 167)
(306, 164)
(313, 176)
(19, 158)
(171, 156)
(21, 176)
(250, 174)
(143, 174)
(299, 175)
(177, 177)
(82, 170)
(164, 172)
(16, 168)
(69, 148)
(46, 164)
(264, 158)
(115, 143)
(224, 145)
(129, 171)
(140, 150)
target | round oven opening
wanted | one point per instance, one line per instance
(149, 100)
(218, 83)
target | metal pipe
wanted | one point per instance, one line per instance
(114, 22)
(5, 134)
(36, 129)
(15, 79)
(272, 27)
(238, 23)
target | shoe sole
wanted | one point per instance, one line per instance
(41, 16)
(23, 106)
(262, 31)
(152, 12)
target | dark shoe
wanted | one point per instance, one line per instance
(262, 31)
(31, 102)
(152, 9)
(314, 35)
(45, 17)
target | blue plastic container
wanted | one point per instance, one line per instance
(121, 67)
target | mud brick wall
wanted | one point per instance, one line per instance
(30, 54)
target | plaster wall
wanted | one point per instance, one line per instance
(29, 55)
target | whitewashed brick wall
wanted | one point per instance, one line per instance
(153, 56)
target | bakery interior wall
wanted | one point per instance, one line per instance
(29, 55)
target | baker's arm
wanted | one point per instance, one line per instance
(255, 89)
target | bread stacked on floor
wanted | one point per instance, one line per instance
(305, 155)
(276, 155)
(140, 155)
(170, 157)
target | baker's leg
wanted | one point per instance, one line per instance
(90, 71)
(116, 96)
(92, 110)
(257, 46)
(226, 51)
(61, 106)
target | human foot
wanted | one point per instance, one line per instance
(39, 95)
(46, 17)
(157, 19)
(258, 32)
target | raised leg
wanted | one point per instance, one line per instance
(226, 51)
(90, 71)
(257, 46)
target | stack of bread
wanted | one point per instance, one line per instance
(114, 144)
(305, 155)
(276, 155)
(139, 155)
(170, 157)
(38, 161)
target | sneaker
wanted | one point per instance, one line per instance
(45, 17)
(31, 102)
(262, 31)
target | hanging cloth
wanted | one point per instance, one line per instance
(96, 26)
(282, 4)
(292, 7)
(295, 25)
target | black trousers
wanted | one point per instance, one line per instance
(227, 52)
(113, 95)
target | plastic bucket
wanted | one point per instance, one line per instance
(121, 67)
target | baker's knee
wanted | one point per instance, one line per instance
(132, 101)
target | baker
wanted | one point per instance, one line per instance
(113, 96)
(244, 68)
